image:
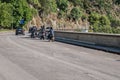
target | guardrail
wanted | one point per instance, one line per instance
(105, 40)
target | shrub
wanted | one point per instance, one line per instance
(62, 5)
(116, 30)
(117, 2)
(115, 23)
(84, 17)
(77, 2)
(104, 20)
(100, 23)
(75, 13)
(93, 18)
(60, 14)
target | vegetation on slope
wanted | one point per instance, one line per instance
(102, 15)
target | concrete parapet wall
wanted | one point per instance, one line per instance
(111, 40)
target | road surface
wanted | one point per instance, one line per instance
(23, 58)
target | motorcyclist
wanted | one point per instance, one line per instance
(33, 31)
(42, 32)
(51, 34)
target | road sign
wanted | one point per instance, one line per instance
(22, 21)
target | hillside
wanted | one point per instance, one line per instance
(92, 15)
(95, 15)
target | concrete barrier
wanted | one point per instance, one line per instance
(108, 40)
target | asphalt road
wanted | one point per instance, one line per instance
(23, 58)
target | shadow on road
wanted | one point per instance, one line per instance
(117, 60)
(34, 39)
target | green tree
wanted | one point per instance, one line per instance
(12, 11)
(22, 10)
(5, 15)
